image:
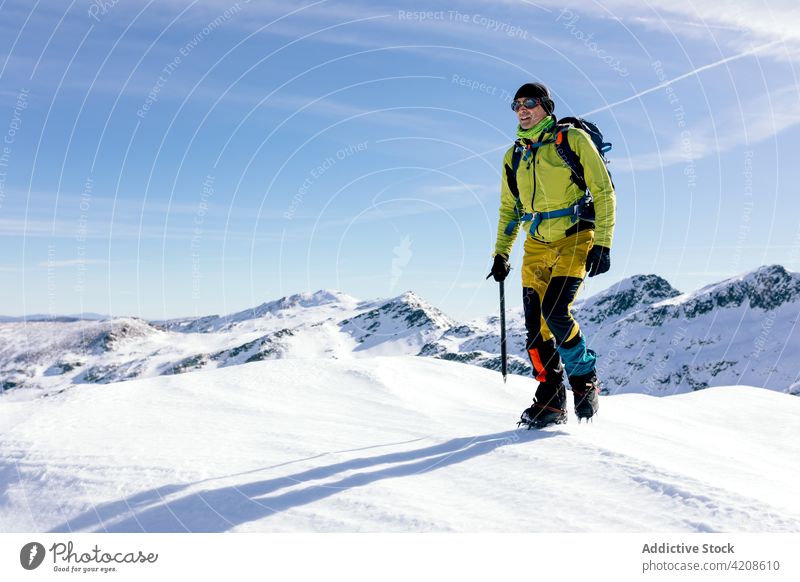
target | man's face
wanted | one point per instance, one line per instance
(529, 117)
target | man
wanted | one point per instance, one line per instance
(569, 231)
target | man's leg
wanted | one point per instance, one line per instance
(579, 361)
(556, 310)
(550, 401)
(547, 367)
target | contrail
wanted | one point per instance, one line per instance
(685, 75)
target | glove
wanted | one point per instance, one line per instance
(500, 268)
(598, 261)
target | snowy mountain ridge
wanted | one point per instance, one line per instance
(285, 307)
(649, 336)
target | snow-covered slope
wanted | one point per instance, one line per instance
(83, 351)
(390, 444)
(740, 331)
(478, 342)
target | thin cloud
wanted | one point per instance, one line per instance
(735, 129)
(739, 26)
(691, 73)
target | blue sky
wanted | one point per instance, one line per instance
(178, 158)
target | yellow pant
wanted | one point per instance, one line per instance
(555, 271)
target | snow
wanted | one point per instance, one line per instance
(390, 444)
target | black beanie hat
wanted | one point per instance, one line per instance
(536, 91)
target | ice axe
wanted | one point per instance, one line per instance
(503, 358)
(503, 351)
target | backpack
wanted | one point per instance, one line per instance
(568, 155)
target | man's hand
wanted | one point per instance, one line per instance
(500, 268)
(598, 261)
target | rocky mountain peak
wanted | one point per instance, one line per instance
(628, 295)
(766, 288)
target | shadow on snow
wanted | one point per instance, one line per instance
(223, 508)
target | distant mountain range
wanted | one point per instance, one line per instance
(45, 317)
(650, 338)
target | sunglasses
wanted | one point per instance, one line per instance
(526, 103)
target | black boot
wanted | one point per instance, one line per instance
(586, 394)
(549, 406)
(550, 403)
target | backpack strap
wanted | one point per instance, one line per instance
(523, 149)
(516, 158)
(569, 157)
(511, 180)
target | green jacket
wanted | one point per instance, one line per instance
(546, 185)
